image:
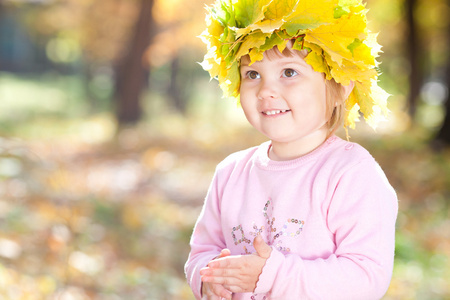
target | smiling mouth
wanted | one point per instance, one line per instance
(275, 112)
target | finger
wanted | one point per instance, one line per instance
(211, 297)
(232, 262)
(221, 291)
(208, 293)
(215, 292)
(222, 280)
(224, 253)
(261, 247)
(219, 272)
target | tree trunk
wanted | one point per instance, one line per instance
(175, 87)
(442, 139)
(414, 56)
(132, 73)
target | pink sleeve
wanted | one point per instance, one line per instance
(361, 215)
(207, 239)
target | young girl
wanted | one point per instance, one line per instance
(306, 215)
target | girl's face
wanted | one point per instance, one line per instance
(285, 99)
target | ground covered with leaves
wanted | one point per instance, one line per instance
(90, 214)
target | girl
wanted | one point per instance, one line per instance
(306, 215)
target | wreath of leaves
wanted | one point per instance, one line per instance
(334, 32)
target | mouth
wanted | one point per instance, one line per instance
(275, 112)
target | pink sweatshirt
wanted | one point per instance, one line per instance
(329, 217)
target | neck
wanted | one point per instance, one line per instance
(282, 151)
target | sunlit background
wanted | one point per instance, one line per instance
(110, 133)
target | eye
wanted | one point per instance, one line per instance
(289, 73)
(253, 75)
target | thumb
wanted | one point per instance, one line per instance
(224, 253)
(261, 247)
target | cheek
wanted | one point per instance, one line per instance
(244, 103)
(249, 111)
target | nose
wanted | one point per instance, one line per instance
(267, 90)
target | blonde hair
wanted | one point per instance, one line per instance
(335, 105)
(335, 102)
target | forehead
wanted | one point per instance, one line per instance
(274, 54)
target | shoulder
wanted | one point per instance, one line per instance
(352, 160)
(343, 154)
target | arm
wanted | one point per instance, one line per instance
(362, 218)
(207, 241)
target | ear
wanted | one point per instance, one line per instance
(348, 89)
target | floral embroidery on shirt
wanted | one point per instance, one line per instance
(242, 239)
(291, 228)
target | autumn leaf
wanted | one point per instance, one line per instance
(266, 26)
(278, 10)
(255, 40)
(335, 38)
(255, 55)
(230, 80)
(309, 14)
(279, 38)
(317, 61)
(249, 12)
(371, 101)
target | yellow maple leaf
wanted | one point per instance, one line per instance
(266, 26)
(372, 43)
(253, 40)
(352, 114)
(349, 71)
(211, 64)
(249, 13)
(229, 79)
(282, 45)
(255, 55)
(317, 62)
(371, 101)
(309, 14)
(336, 37)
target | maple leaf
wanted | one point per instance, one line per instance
(256, 55)
(254, 40)
(277, 10)
(309, 14)
(349, 71)
(336, 37)
(317, 61)
(352, 111)
(211, 63)
(266, 26)
(344, 7)
(249, 12)
(279, 38)
(229, 79)
(371, 100)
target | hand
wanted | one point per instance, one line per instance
(214, 291)
(238, 274)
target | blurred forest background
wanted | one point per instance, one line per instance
(110, 132)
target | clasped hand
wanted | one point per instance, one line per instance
(229, 274)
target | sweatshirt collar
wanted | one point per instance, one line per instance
(263, 161)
